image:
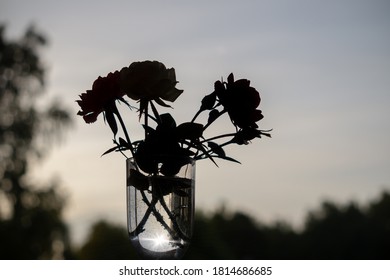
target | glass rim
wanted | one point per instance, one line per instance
(190, 159)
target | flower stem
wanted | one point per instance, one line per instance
(196, 115)
(146, 119)
(124, 131)
(218, 137)
(155, 112)
(209, 123)
(174, 233)
(140, 227)
(173, 219)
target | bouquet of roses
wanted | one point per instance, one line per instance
(150, 83)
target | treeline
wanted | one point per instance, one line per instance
(331, 232)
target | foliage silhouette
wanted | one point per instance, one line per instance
(331, 232)
(31, 225)
(107, 241)
(348, 232)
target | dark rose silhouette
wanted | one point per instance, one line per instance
(240, 100)
(105, 91)
(149, 80)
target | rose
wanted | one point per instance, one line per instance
(240, 100)
(149, 80)
(105, 91)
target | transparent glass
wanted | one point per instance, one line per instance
(160, 210)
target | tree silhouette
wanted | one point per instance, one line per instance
(107, 241)
(337, 232)
(379, 214)
(31, 225)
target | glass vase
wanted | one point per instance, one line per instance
(160, 207)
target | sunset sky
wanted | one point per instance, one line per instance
(322, 69)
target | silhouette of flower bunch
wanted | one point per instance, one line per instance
(168, 146)
(101, 98)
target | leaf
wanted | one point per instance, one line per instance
(266, 133)
(216, 149)
(213, 115)
(167, 120)
(208, 101)
(123, 143)
(148, 129)
(231, 159)
(189, 130)
(180, 193)
(230, 78)
(166, 181)
(138, 180)
(165, 185)
(205, 152)
(160, 102)
(121, 99)
(109, 150)
(110, 118)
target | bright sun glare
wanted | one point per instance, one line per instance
(160, 241)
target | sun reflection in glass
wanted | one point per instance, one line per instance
(160, 241)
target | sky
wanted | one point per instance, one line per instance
(322, 69)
